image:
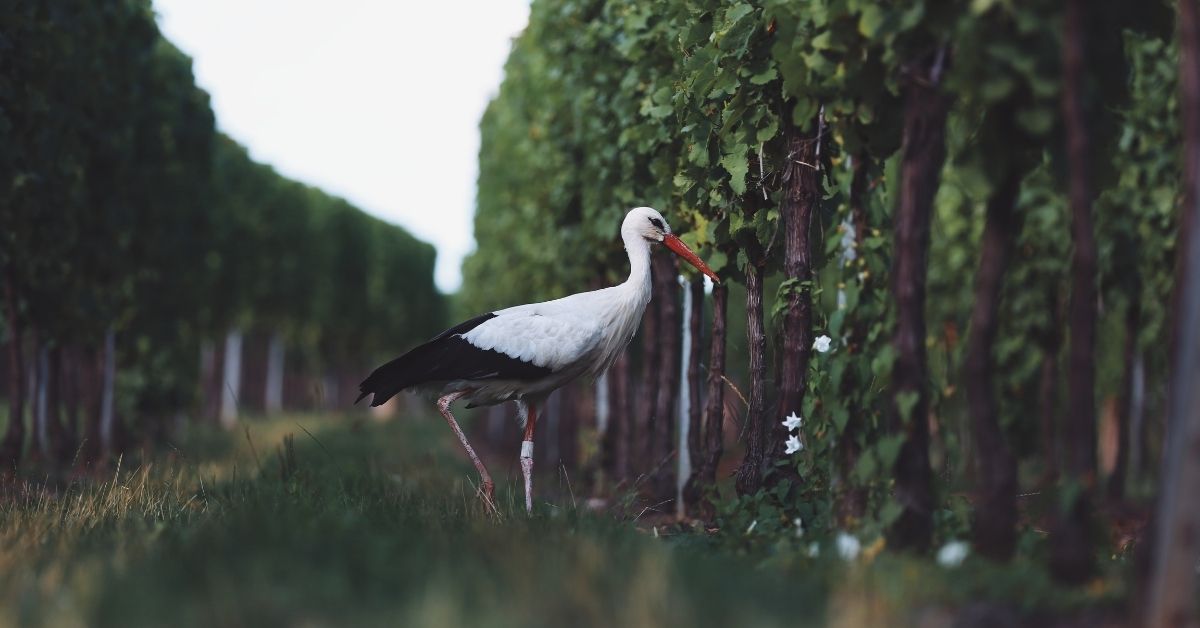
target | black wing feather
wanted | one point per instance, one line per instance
(446, 357)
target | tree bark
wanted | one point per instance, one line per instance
(994, 526)
(749, 475)
(1189, 92)
(802, 194)
(571, 399)
(666, 276)
(1071, 555)
(923, 153)
(14, 436)
(1051, 344)
(549, 422)
(618, 438)
(91, 450)
(1171, 591)
(704, 477)
(642, 426)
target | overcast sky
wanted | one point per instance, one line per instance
(374, 100)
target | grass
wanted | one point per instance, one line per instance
(325, 521)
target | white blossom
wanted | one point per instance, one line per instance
(793, 445)
(847, 546)
(799, 525)
(814, 549)
(792, 421)
(821, 344)
(750, 528)
(952, 554)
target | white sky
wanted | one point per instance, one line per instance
(377, 101)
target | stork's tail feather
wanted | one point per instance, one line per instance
(435, 360)
(388, 380)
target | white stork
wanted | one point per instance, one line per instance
(524, 353)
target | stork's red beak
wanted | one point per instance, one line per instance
(679, 248)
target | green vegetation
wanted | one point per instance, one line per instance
(957, 236)
(137, 244)
(978, 203)
(320, 521)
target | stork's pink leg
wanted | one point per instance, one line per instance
(486, 487)
(527, 457)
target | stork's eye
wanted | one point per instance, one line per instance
(657, 223)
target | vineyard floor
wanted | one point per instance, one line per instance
(324, 521)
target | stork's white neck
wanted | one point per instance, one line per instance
(638, 249)
(624, 305)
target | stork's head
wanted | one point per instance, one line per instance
(646, 223)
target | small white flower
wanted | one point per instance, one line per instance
(793, 445)
(750, 528)
(814, 549)
(952, 554)
(799, 526)
(821, 344)
(792, 421)
(847, 546)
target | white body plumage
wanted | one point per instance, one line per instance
(578, 335)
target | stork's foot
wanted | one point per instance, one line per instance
(487, 493)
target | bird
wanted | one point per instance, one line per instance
(523, 353)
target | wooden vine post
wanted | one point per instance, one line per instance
(923, 152)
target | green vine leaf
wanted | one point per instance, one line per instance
(905, 402)
(737, 166)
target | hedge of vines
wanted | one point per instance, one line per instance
(976, 202)
(133, 235)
